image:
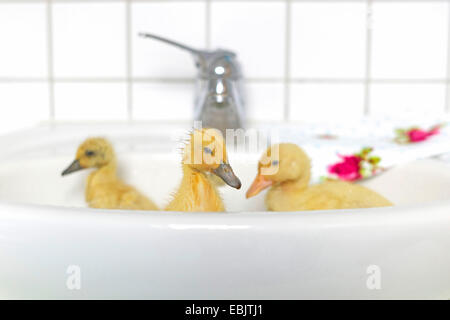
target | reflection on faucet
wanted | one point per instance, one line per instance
(219, 101)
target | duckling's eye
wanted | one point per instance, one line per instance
(89, 153)
(275, 162)
(207, 150)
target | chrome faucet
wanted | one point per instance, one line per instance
(219, 100)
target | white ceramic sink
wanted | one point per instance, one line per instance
(45, 228)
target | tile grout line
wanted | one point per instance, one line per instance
(128, 55)
(50, 71)
(447, 87)
(287, 62)
(368, 70)
(255, 80)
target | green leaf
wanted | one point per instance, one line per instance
(374, 160)
(365, 172)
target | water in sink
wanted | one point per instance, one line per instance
(38, 180)
(30, 168)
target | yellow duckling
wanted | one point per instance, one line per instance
(104, 189)
(286, 168)
(204, 153)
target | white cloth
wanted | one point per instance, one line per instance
(350, 138)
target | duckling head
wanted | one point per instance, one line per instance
(92, 153)
(206, 152)
(280, 163)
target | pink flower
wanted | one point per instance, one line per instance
(416, 135)
(348, 169)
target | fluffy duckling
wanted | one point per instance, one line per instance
(286, 169)
(204, 154)
(104, 189)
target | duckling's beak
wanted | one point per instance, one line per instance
(259, 184)
(225, 172)
(74, 166)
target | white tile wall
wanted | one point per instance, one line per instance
(23, 40)
(336, 48)
(408, 99)
(255, 30)
(180, 20)
(157, 101)
(263, 100)
(89, 39)
(91, 101)
(410, 39)
(303, 60)
(326, 102)
(22, 105)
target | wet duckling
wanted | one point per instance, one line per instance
(286, 168)
(204, 153)
(104, 189)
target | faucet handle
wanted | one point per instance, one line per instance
(170, 42)
(214, 64)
